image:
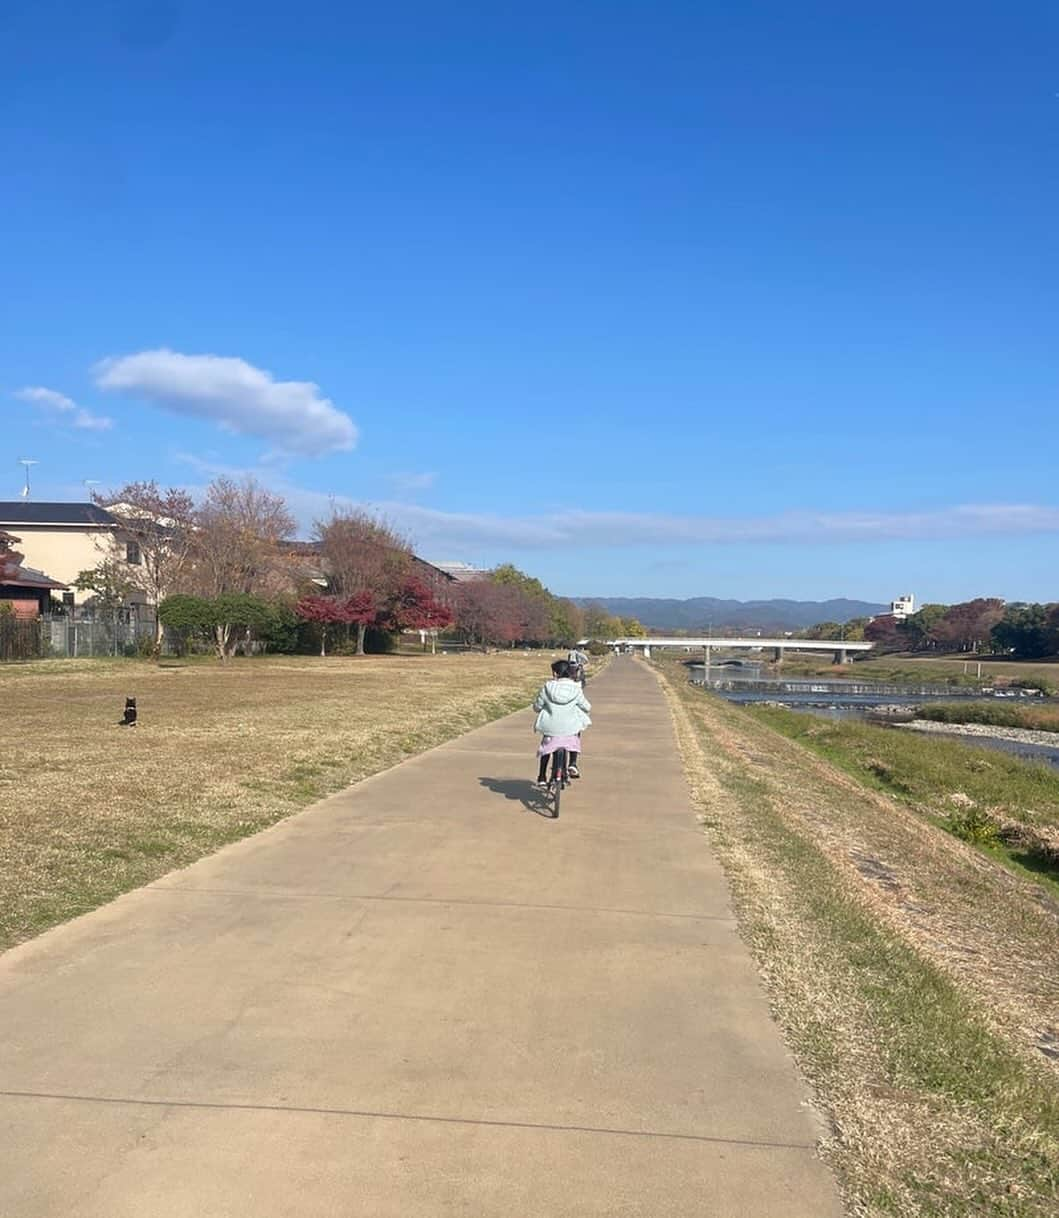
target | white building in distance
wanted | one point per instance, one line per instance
(903, 607)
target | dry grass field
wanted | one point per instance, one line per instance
(89, 810)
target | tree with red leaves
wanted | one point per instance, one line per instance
(362, 610)
(366, 562)
(415, 607)
(966, 626)
(884, 632)
(325, 611)
(490, 613)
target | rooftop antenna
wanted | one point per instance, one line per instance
(26, 463)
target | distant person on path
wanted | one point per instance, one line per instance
(562, 715)
(578, 662)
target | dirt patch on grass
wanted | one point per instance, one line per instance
(914, 979)
(89, 810)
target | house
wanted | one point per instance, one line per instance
(65, 539)
(305, 564)
(26, 590)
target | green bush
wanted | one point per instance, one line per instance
(379, 642)
(974, 826)
(280, 631)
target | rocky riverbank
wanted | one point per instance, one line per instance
(1023, 735)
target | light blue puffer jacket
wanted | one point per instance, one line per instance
(563, 709)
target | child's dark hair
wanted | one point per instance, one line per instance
(560, 669)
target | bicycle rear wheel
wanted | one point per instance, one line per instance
(558, 780)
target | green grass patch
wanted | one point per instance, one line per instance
(971, 792)
(994, 714)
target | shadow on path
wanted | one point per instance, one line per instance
(519, 790)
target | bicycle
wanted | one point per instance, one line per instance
(558, 781)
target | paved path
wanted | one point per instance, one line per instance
(418, 999)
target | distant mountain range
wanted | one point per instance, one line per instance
(701, 612)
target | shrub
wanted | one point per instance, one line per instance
(1039, 683)
(280, 631)
(972, 824)
(379, 642)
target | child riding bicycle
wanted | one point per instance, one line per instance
(562, 716)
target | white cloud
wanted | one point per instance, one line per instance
(55, 403)
(49, 399)
(432, 529)
(293, 415)
(408, 484)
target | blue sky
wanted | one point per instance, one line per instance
(651, 299)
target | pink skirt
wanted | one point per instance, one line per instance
(549, 744)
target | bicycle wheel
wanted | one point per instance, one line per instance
(558, 780)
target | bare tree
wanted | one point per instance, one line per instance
(155, 540)
(237, 536)
(235, 549)
(366, 558)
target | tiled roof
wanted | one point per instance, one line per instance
(26, 511)
(28, 577)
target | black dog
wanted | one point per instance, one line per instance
(129, 718)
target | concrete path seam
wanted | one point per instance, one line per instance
(426, 1118)
(344, 896)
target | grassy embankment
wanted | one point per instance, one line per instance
(89, 810)
(1003, 805)
(915, 980)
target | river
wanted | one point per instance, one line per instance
(838, 698)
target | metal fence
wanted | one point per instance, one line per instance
(125, 635)
(19, 639)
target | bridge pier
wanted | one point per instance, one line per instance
(647, 651)
(777, 655)
(841, 655)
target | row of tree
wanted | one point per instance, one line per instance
(985, 624)
(509, 606)
(224, 568)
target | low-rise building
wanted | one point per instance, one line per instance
(903, 606)
(461, 572)
(26, 591)
(65, 539)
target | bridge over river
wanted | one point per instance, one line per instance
(841, 650)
